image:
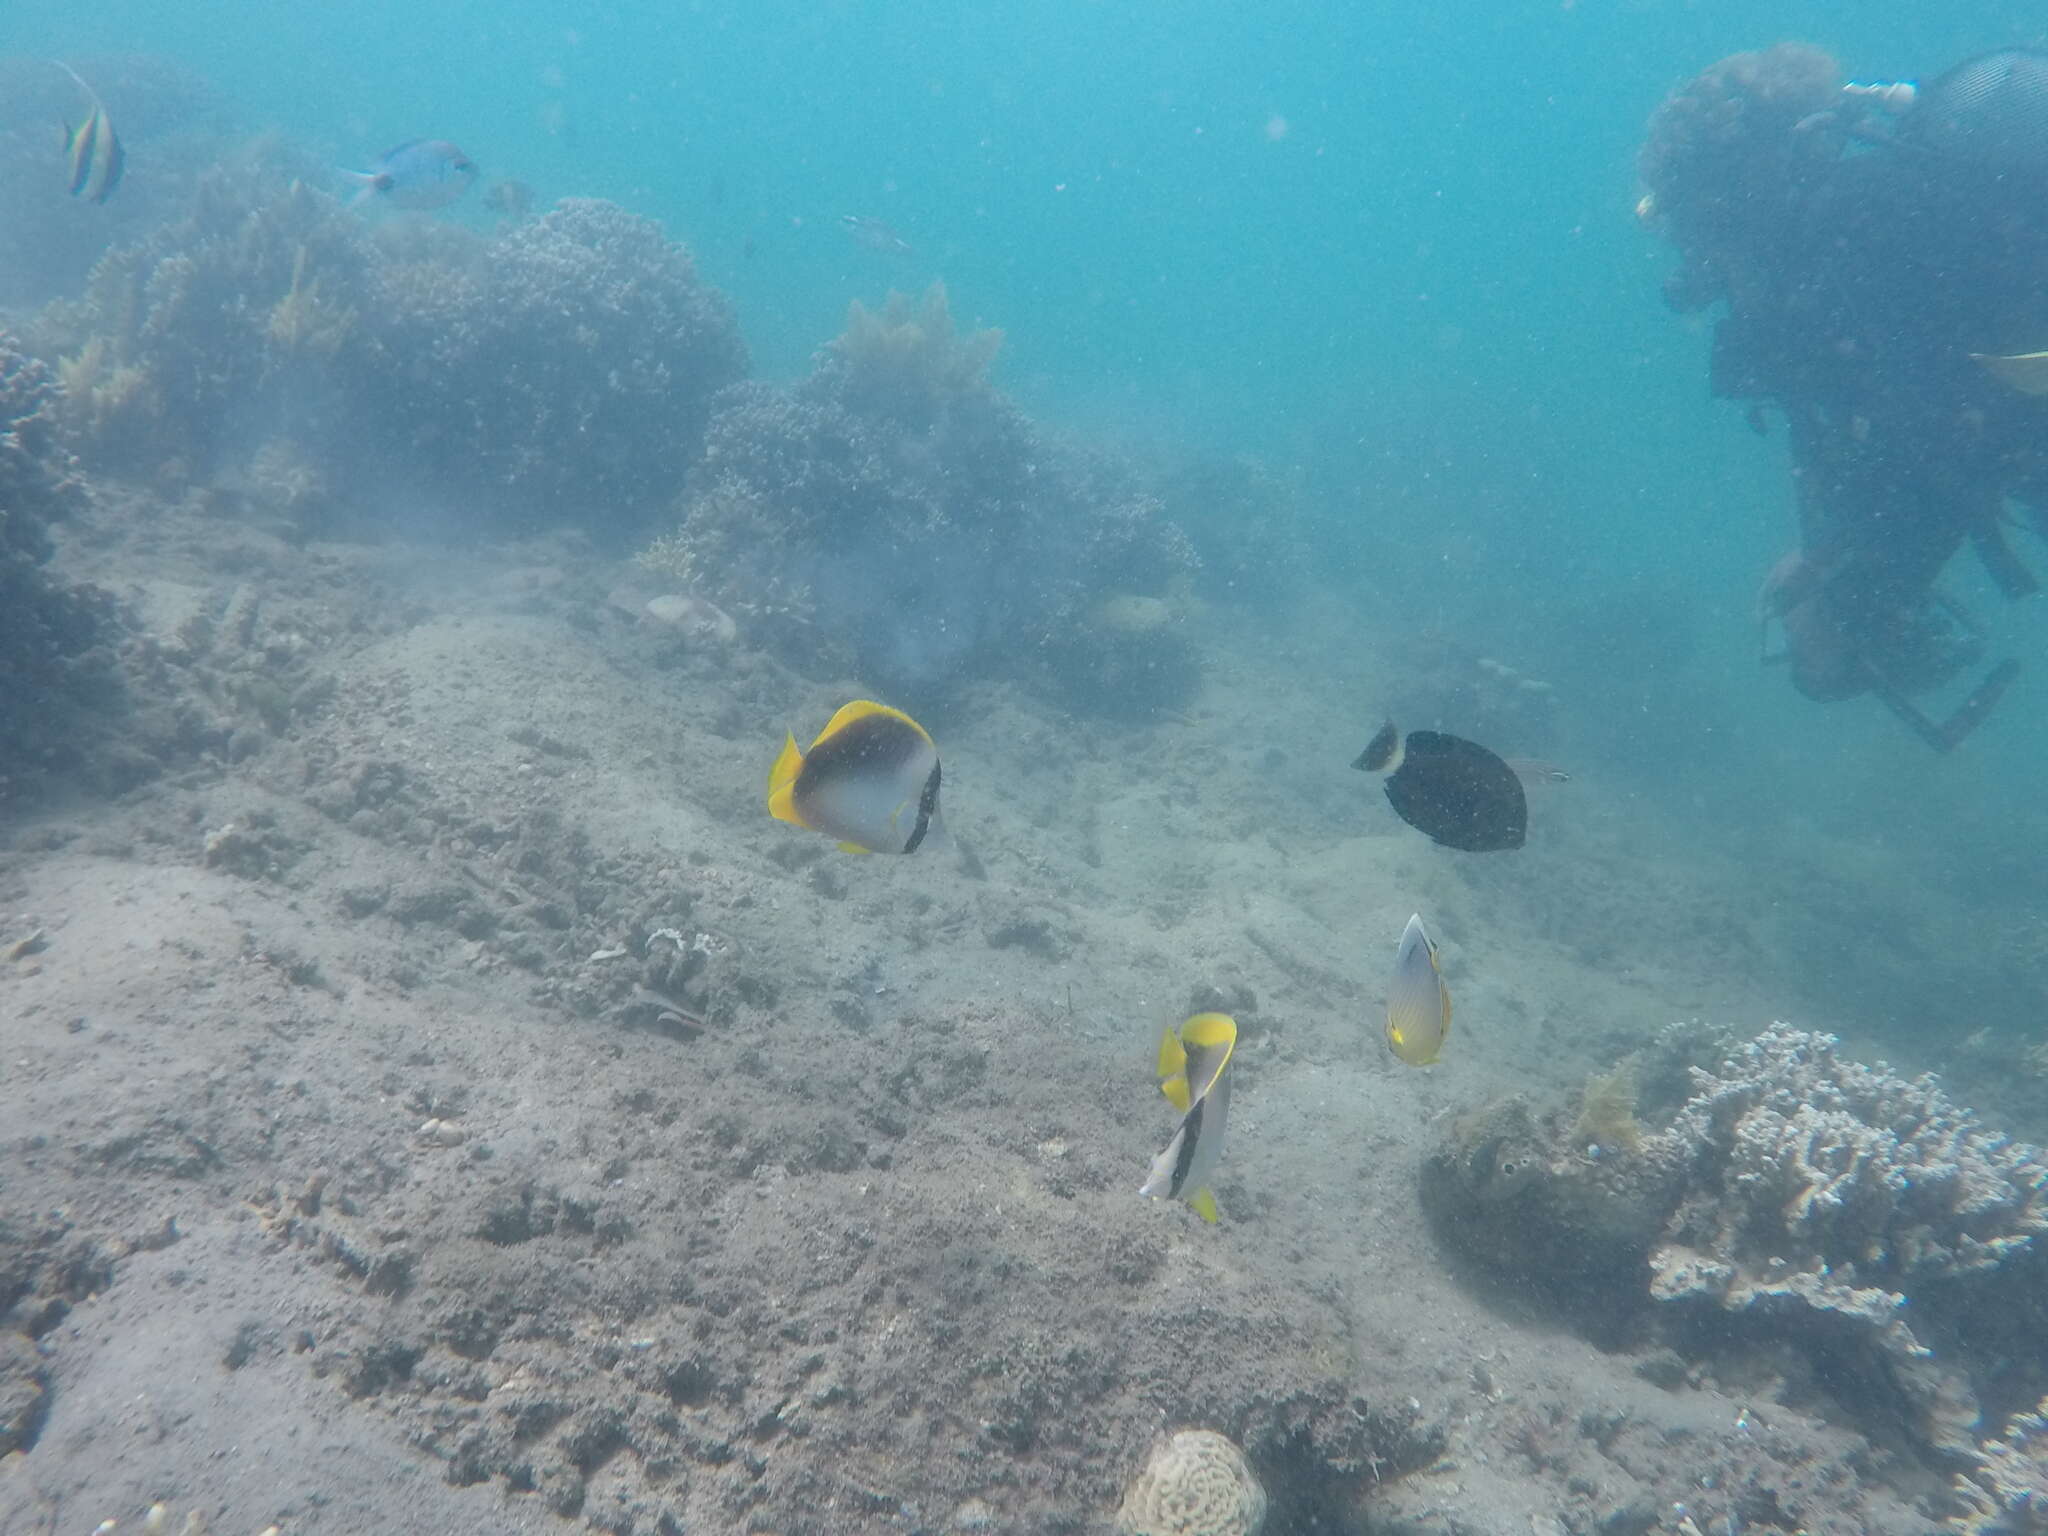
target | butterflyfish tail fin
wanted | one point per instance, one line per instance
(1205, 1206)
(782, 782)
(850, 847)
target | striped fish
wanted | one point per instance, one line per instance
(93, 150)
(1192, 1062)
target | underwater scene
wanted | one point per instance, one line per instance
(1141, 769)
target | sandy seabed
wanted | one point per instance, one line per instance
(449, 1103)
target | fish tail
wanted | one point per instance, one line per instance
(782, 783)
(367, 184)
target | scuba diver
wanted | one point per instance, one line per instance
(1882, 253)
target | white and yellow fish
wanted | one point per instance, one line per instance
(871, 780)
(1191, 1062)
(1418, 1002)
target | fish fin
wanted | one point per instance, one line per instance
(860, 709)
(1211, 1029)
(91, 95)
(1172, 1058)
(782, 782)
(854, 848)
(1204, 1204)
(1383, 753)
(1176, 1091)
(2025, 372)
(1214, 1035)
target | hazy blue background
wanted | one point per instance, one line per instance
(1388, 245)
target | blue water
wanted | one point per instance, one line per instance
(1387, 247)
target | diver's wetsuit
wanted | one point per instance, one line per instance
(1881, 272)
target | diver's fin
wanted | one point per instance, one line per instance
(1205, 1206)
(2026, 372)
(2004, 567)
(1947, 735)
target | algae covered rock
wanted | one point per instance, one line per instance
(1195, 1483)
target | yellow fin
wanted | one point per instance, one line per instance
(1210, 1029)
(1173, 1067)
(2026, 372)
(1205, 1206)
(782, 783)
(1214, 1035)
(854, 848)
(860, 709)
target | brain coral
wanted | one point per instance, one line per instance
(1195, 1483)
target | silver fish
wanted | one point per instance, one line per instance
(873, 234)
(423, 174)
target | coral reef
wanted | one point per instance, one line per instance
(565, 366)
(1858, 1212)
(561, 369)
(895, 514)
(216, 331)
(1195, 1483)
(52, 656)
(2006, 1494)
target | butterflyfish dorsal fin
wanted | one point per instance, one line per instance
(861, 709)
(1210, 1039)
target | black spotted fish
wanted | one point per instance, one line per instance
(870, 780)
(1191, 1062)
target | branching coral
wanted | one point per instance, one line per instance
(221, 324)
(563, 368)
(566, 366)
(49, 630)
(2006, 1494)
(1858, 1211)
(919, 528)
(908, 360)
